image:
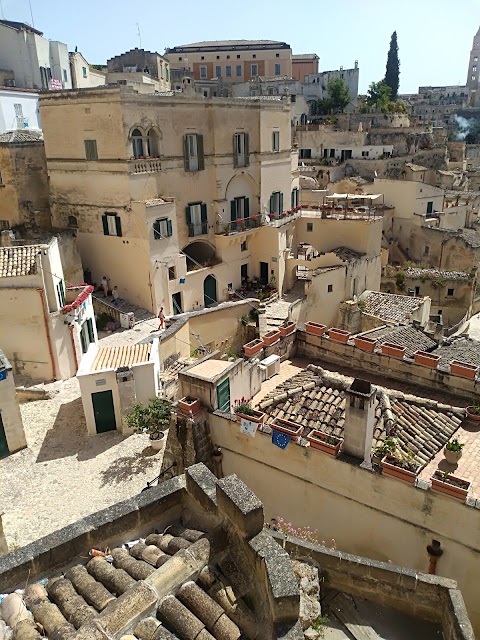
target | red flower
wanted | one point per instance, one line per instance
(239, 220)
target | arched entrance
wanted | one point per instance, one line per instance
(209, 291)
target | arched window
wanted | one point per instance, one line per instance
(137, 143)
(72, 221)
(153, 143)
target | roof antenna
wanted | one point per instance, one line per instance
(139, 35)
(31, 12)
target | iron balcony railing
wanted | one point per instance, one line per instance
(197, 229)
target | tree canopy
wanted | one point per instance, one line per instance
(378, 95)
(392, 72)
(336, 101)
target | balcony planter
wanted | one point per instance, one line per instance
(339, 335)
(458, 368)
(253, 416)
(315, 329)
(288, 328)
(288, 427)
(324, 442)
(190, 406)
(271, 337)
(252, 348)
(473, 413)
(156, 440)
(393, 350)
(390, 466)
(426, 359)
(450, 485)
(364, 343)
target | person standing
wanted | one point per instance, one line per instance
(116, 297)
(105, 286)
(161, 317)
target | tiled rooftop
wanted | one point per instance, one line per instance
(346, 254)
(405, 336)
(316, 400)
(390, 306)
(19, 261)
(21, 135)
(471, 237)
(464, 349)
(123, 356)
(430, 274)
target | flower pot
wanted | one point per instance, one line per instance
(426, 359)
(252, 348)
(393, 350)
(339, 335)
(319, 440)
(364, 343)
(458, 368)
(471, 415)
(288, 329)
(315, 329)
(257, 416)
(157, 443)
(190, 406)
(450, 485)
(452, 457)
(271, 337)
(391, 469)
(289, 427)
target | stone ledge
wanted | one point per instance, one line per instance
(201, 485)
(240, 505)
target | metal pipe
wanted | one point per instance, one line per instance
(47, 329)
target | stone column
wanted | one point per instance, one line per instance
(359, 419)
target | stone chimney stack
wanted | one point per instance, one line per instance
(359, 419)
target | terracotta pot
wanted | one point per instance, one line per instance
(339, 335)
(258, 416)
(252, 348)
(364, 343)
(318, 441)
(287, 426)
(463, 369)
(288, 330)
(190, 406)
(426, 359)
(315, 329)
(392, 470)
(271, 337)
(460, 493)
(474, 417)
(393, 350)
(452, 457)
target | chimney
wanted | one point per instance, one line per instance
(359, 419)
(6, 238)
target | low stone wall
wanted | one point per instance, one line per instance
(102, 306)
(406, 371)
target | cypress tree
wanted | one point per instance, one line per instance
(392, 74)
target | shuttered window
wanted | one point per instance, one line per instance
(112, 225)
(193, 152)
(162, 228)
(276, 203)
(197, 219)
(61, 293)
(239, 208)
(223, 395)
(91, 149)
(241, 150)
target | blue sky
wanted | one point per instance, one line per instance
(434, 36)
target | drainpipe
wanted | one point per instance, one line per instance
(70, 328)
(435, 552)
(47, 329)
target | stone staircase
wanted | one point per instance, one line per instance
(101, 304)
(277, 312)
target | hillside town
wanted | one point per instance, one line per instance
(239, 345)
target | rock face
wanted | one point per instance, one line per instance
(309, 585)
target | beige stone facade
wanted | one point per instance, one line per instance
(83, 74)
(12, 436)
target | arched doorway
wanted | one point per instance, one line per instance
(209, 291)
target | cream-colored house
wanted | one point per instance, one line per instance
(113, 379)
(83, 74)
(12, 436)
(178, 198)
(47, 323)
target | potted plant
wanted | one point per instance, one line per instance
(288, 427)
(189, 405)
(387, 448)
(450, 485)
(453, 451)
(339, 335)
(287, 328)
(402, 466)
(253, 347)
(153, 419)
(245, 411)
(473, 412)
(325, 442)
(426, 359)
(271, 337)
(315, 328)
(365, 343)
(458, 368)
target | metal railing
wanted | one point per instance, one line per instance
(197, 229)
(160, 476)
(241, 224)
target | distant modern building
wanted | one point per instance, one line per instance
(304, 64)
(83, 74)
(473, 75)
(34, 61)
(233, 60)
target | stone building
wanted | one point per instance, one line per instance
(473, 73)
(83, 74)
(304, 64)
(140, 67)
(12, 436)
(316, 84)
(19, 109)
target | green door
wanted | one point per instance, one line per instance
(209, 291)
(103, 411)
(3, 440)
(223, 395)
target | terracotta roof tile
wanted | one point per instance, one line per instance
(390, 306)
(19, 261)
(405, 336)
(464, 349)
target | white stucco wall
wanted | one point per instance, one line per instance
(31, 113)
(11, 416)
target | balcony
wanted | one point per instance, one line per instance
(144, 165)
(259, 220)
(200, 229)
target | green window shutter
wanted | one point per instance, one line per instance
(91, 336)
(83, 339)
(235, 154)
(188, 215)
(272, 203)
(247, 151)
(223, 395)
(105, 225)
(169, 228)
(156, 230)
(233, 210)
(185, 154)
(118, 226)
(247, 208)
(203, 208)
(281, 202)
(201, 159)
(292, 199)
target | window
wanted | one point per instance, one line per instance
(205, 94)
(172, 275)
(294, 198)
(254, 71)
(1, 180)
(72, 221)
(276, 141)
(239, 208)
(475, 59)
(91, 149)
(202, 58)
(112, 225)
(137, 144)
(450, 292)
(218, 72)
(240, 150)
(243, 246)
(254, 56)
(309, 226)
(228, 57)
(193, 152)
(238, 70)
(474, 69)
(473, 77)
(162, 228)
(330, 288)
(276, 203)
(277, 69)
(84, 72)
(238, 56)
(203, 71)
(167, 74)
(65, 77)
(197, 219)
(180, 59)
(305, 154)
(4, 224)
(244, 272)
(153, 147)
(18, 115)
(87, 336)
(61, 293)
(228, 71)
(218, 57)
(365, 154)
(417, 291)
(430, 207)
(223, 395)
(426, 250)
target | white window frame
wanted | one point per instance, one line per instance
(237, 67)
(278, 69)
(163, 223)
(196, 214)
(228, 71)
(240, 149)
(203, 72)
(253, 73)
(218, 67)
(192, 147)
(275, 141)
(111, 224)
